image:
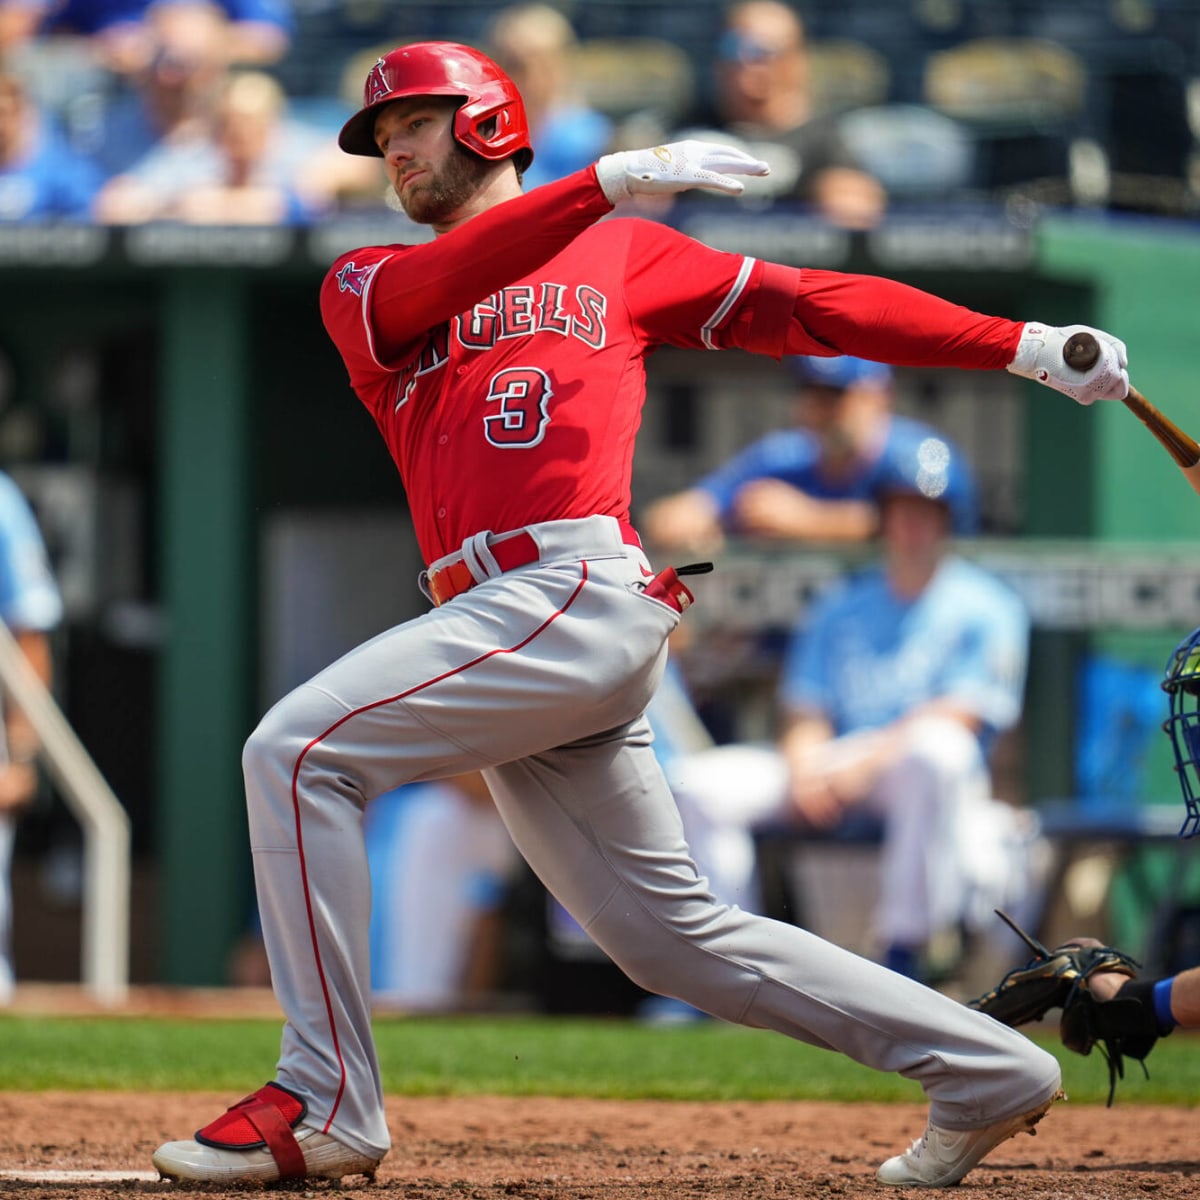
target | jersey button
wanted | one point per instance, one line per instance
(441, 512)
(443, 440)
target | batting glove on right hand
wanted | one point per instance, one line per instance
(676, 168)
(1040, 356)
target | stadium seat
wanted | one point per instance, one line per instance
(915, 152)
(1013, 81)
(1024, 100)
(845, 75)
(622, 76)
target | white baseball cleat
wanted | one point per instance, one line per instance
(941, 1157)
(261, 1139)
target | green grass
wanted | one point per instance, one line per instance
(517, 1056)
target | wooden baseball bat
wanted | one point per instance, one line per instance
(1081, 352)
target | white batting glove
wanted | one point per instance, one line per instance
(676, 168)
(1040, 356)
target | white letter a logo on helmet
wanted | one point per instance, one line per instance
(377, 85)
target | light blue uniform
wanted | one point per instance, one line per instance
(29, 601)
(866, 657)
(29, 596)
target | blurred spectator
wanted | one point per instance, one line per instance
(110, 26)
(894, 690)
(533, 43)
(242, 171)
(174, 94)
(30, 606)
(816, 481)
(258, 32)
(40, 178)
(762, 99)
(440, 861)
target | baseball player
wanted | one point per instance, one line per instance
(1174, 999)
(1103, 1001)
(504, 363)
(30, 605)
(893, 690)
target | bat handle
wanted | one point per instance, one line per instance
(1081, 351)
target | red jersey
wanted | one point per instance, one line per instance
(504, 363)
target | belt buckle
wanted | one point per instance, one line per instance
(433, 580)
(445, 584)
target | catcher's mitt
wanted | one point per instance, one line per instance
(1061, 978)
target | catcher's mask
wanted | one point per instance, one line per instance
(491, 120)
(1182, 684)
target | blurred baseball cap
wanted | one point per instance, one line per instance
(842, 372)
(926, 464)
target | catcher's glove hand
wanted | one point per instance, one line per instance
(1063, 978)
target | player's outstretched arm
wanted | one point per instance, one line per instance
(813, 311)
(676, 167)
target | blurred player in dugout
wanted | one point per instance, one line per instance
(816, 481)
(30, 606)
(894, 689)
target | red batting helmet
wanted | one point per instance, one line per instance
(446, 69)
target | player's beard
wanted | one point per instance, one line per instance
(439, 195)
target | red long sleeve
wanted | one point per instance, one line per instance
(809, 311)
(891, 322)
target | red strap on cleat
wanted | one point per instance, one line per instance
(278, 1136)
(263, 1120)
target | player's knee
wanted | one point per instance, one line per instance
(679, 957)
(942, 751)
(646, 970)
(266, 747)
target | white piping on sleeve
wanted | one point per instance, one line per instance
(732, 297)
(366, 292)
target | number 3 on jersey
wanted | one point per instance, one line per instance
(521, 396)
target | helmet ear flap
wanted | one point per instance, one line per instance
(494, 123)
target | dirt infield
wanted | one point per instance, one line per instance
(546, 1149)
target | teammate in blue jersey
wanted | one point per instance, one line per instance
(440, 861)
(818, 480)
(30, 606)
(892, 694)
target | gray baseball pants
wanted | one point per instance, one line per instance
(541, 676)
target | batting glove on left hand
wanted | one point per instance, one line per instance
(676, 168)
(1040, 356)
